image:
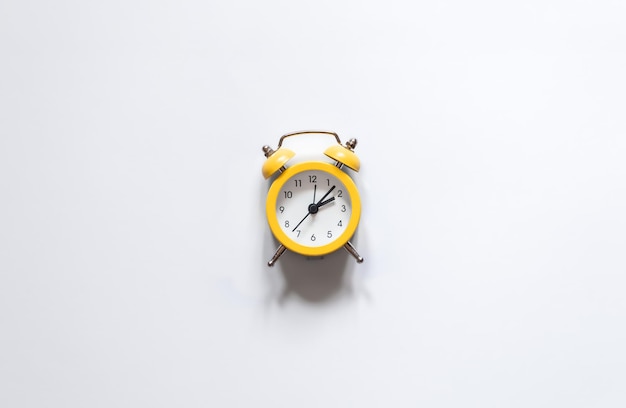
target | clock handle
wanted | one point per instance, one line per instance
(307, 132)
(342, 154)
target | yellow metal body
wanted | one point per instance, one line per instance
(344, 156)
(277, 160)
(272, 216)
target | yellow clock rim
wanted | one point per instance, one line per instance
(272, 218)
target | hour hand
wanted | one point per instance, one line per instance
(325, 202)
(325, 195)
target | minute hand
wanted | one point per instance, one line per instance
(325, 195)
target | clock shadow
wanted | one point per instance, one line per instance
(315, 280)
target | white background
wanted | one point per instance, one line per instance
(133, 242)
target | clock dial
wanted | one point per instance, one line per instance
(313, 208)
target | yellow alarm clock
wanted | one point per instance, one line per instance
(313, 207)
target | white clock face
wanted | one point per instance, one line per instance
(313, 208)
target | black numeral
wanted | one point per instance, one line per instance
(313, 179)
(328, 182)
(298, 183)
(329, 234)
(286, 224)
(313, 237)
(288, 194)
(343, 208)
(282, 209)
(298, 231)
(339, 193)
(340, 224)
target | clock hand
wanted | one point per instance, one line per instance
(314, 190)
(302, 220)
(325, 195)
(314, 207)
(325, 202)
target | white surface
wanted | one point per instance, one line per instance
(492, 138)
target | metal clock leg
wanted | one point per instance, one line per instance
(281, 249)
(350, 248)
